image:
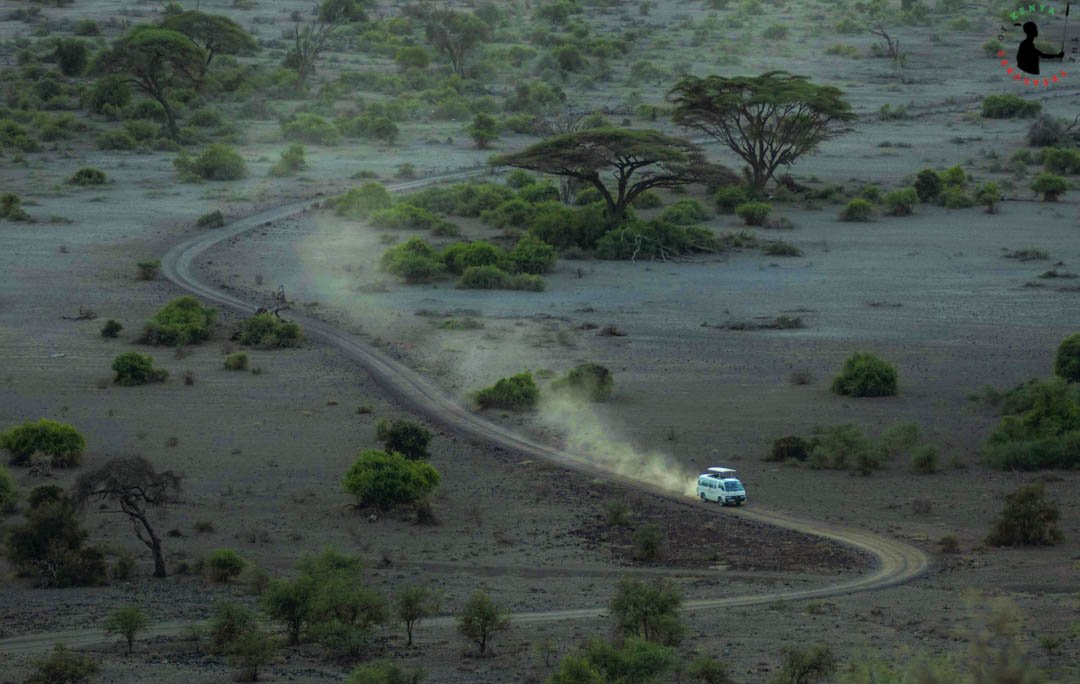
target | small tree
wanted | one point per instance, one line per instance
(1050, 186)
(412, 604)
(310, 39)
(127, 621)
(408, 438)
(484, 130)
(225, 564)
(1028, 519)
(515, 393)
(769, 120)
(133, 484)
(180, 322)
(901, 202)
(480, 619)
(49, 545)
(71, 56)
(214, 34)
(62, 666)
(928, 185)
(1066, 361)
(809, 665)
(60, 442)
(230, 623)
(648, 543)
(250, 651)
(289, 602)
(385, 480)
(453, 34)
(133, 368)
(989, 195)
(858, 209)
(865, 375)
(649, 610)
(111, 329)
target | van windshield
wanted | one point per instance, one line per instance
(732, 486)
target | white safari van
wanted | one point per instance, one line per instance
(721, 485)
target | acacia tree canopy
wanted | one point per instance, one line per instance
(132, 482)
(212, 33)
(633, 160)
(454, 34)
(769, 120)
(154, 59)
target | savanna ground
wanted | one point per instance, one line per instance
(263, 454)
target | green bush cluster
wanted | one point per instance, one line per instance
(408, 216)
(1041, 429)
(213, 219)
(1061, 160)
(1027, 519)
(1050, 186)
(1009, 107)
(901, 202)
(61, 443)
(753, 213)
(405, 437)
(182, 321)
(865, 375)
(387, 479)
(515, 393)
(858, 209)
(62, 666)
(730, 197)
(789, 448)
(370, 126)
(236, 361)
(590, 381)
(291, 162)
(224, 565)
(88, 176)
(267, 331)
(1067, 359)
(11, 208)
(217, 162)
(414, 261)
(9, 492)
(462, 199)
(49, 544)
(685, 213)
(840, 447)
(655, 239)
(361, 202)
(132, 368)
(311, 129)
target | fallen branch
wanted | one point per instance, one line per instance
(84, 315)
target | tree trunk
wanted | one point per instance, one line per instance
(170, 116)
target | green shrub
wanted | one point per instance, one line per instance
(217, 162)
(839, 447)
(88, 176)
(408, 438)
(781, 248)
(514, 393)
(224, 564)
(133, 368)
(291, 162)
(865, 375)
(412, 57)
(1045, 131)
(1067, 359)
(1050, 186)
(147, 109)
(230, 623)
(141, 131)
(685, 213)
(484, 278)
(359, 203)
(655, 240)
(953, 197)
(267, 331)
(1044, 431)
(127, 621)
(182, 321)
(526, 282)
(480, 619)
(413, 261)
(753, 213)
(729, 197)
(590, 381)
(384, 671)
(311, 129)
(461, 256)
(1062, 161)
(147, 270)
(857, 209)
(116, 140)
(901, 202)
(62, 666)
(648, 543)
(236, 361)
(647, 609)
(928, 185)
(71, 56)
(532, 255)
(1028, 519)
(11, 207)
(512, 214)
(213, 219)
(989, 194)
(9, 493)
(206, 117)
(898, 439)
(646, 200)
(924, 459)
(111, 328)
(49, 544)
(789, 448)
(385, 480)
(563, 227)
(372, 127)
(60, 442)
(404, 216)
(110, 92)
(1009, 107)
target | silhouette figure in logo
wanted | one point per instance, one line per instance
(1027, 55)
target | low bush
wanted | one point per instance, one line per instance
(291, 162)
(648, 543)
(230, 623)
(217, 162)
(236, 361)
(989, 195)
(865, 375)
(589, 381)
(925, 459)
(311, 129)
(1045, 131)
(49, 544)
(839, 447)
(526, 282)
(224, 564)
(1043, 430)
(1067, 359)
(789, 448)
(405, 437)
(1009, 107)
(384, 671)
(858, 209)
(11, 207)
(405, 216)
(753, 213)
(385, 480)
(1062, 161)
(515, 393)
(213, 219)
(111, 329)
(532, 255)
(1027, 519)
(147, 270)
(116, 140)
(61, 443)
(484, 278)
(953, 197)
(655, 239)
(359, 203)
(901, 202)
(414, 261)
(133, 368)
(1049, 186)
(62, 666)
(928, 185)
(150, 110)
(127, 621)
(462, 256)
(88, 176)
(110, 92)
(182, 321)
(267, 331)
(781, 248)
(646, 200)
(685, 213)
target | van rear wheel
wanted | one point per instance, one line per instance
(703, 499)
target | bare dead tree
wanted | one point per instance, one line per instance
(132, 482)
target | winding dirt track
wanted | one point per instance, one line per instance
(896, 562)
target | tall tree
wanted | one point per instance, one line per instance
(454, 34)
(155, 59)
(132, 482)
(310, 39)
(769, 120)
(214, 34)
(634, 161)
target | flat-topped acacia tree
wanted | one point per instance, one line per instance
(214, 34)
(769, 120)
(155, 59)
(620, 163)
